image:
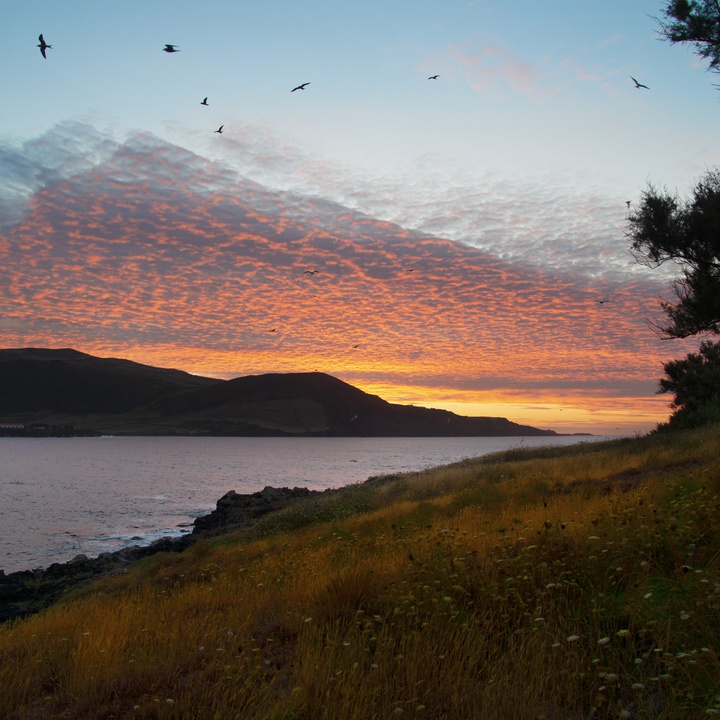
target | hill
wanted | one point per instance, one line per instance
(66, 388)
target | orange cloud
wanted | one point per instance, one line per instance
(150, 257)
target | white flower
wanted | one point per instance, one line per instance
(573, 638)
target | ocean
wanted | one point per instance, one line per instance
(60, 497)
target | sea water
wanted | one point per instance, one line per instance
(60, 497)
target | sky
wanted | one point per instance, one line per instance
(457, 242)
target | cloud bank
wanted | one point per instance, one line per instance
(143, 249)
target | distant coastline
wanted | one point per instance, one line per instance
(65, 393)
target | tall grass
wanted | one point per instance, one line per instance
(567, 583)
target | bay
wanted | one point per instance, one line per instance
(60, 497)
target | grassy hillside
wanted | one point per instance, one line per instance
(579, 582)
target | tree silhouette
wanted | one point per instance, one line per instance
(695, 383)
(687, 232)
(696, 22)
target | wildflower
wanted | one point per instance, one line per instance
(550, 586)
(684, 616)
(308, 619)
(201, 648)
(603, 641)
(622, 633)
(647, 595)
(573, 638)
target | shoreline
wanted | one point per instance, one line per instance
(25, 592)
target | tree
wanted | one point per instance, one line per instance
(696, 22)
(695, 382)
(687, 232)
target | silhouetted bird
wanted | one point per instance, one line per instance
(219, 130)
(638, 84)
(43, 45)
(628, 203)
(310, 272)
(433, 77)
(300, 87)
(170, 48)
(204, 102)
(601, 302)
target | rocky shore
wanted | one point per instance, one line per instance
(28, 591)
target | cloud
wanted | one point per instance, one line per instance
(149, 251)
(491, 67)
(65, 150)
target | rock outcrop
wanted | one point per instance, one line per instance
(234, 510)
(25, 592)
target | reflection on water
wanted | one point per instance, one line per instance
(63, 496)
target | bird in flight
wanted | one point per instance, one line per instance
(638, 84)
(433, 77)
(219, 130)
(204, 102)
(170, 48)
(300, 87)
(310, 272)
(43, 45)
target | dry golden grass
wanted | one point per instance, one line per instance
(573, 583)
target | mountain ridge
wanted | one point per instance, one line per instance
(82, 393)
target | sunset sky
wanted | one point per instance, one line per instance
(467, 232)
